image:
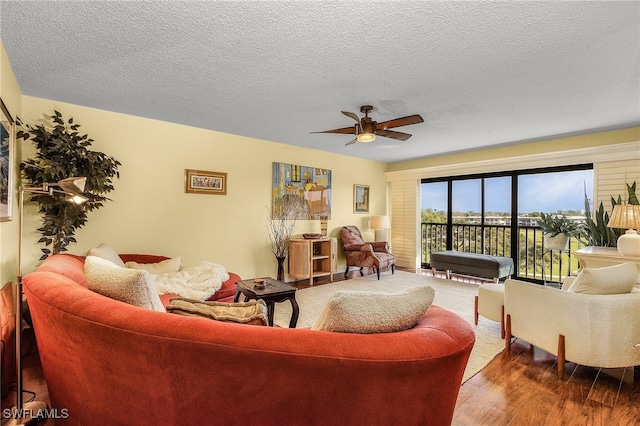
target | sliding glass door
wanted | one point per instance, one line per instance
(495, 213)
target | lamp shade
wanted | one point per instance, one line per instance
(380, 222)
(625, 216)
(73, 185)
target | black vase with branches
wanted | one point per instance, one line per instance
(62, 152)
(282, 224)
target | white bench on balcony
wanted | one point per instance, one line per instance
(474, 264)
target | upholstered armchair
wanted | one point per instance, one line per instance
(595, 330)
(365, 254)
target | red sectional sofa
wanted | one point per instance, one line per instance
(110, 363)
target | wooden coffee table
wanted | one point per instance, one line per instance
(274, 292)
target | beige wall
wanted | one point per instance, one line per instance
(12, 98)
(151, 213)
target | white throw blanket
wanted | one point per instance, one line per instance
(200, 281)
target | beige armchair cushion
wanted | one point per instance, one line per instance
(599, 330)
(617, 279)
(491, 301)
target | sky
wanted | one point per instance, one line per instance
(546, 192)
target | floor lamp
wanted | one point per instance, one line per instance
(73, 187)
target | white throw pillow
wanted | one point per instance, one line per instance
(107, 252)
(375, 312)
(163, 267)
(126, 285)
(568, 282)
(616, 279)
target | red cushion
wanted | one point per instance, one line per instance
(228, 290)
(142, 258)
(226, 293)
(69, 265)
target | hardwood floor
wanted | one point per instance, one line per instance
(520, 388)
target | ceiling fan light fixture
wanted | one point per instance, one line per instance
(366, 137)
(366, 130)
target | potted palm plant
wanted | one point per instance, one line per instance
(597, 232)
(557, 229)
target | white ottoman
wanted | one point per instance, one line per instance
(490, 304)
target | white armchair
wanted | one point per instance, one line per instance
(593, 330)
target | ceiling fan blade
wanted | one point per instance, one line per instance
(351, 115)
(345, 130)
(393, 134)
(403, 121)
(351, 142)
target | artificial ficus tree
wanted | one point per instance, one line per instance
(62, 152)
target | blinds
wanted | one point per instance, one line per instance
(611, 179)
(405, 220)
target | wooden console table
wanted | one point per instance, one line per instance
(598, 257)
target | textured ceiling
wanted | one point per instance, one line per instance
(480, 73)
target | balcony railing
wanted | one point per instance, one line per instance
(532, 259)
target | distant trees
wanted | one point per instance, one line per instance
(434, 216)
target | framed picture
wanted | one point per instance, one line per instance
(360, 199)
(300, 192)
(7, 142)
(202, 182)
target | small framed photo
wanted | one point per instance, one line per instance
(360, 199)
(203, 182)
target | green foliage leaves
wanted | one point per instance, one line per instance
(599, 233)
(63, 152)
(433, 216)
(554, 225)
(633, 198)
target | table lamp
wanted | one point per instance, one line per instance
(380, 224)
(627, 216)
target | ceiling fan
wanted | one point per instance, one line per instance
(366, 129)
